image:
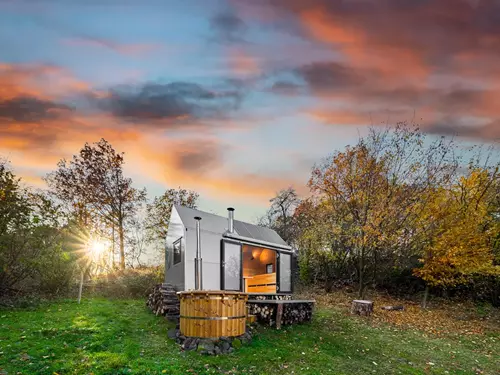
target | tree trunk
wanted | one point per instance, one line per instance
(81, 287)
(113, 250)
(426, 295)
(361, 266)
(362, 290)
(122, 245)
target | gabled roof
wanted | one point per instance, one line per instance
(218, 224)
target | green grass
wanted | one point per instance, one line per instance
(123, 337)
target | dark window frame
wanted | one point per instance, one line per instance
(174, 258)
(278, 272)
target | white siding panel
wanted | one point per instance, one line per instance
(174, 274)
(210, 254)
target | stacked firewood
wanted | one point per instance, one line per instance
(264, 313)
(291, 313)
(164, 301)
(297, 313)
(280, 297)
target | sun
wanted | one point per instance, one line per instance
(96, 248)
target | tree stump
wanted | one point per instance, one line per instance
(362, 307)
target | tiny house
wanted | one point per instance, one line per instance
(234, 255)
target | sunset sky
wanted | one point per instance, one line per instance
(238, 99)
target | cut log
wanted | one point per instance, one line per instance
(392, 308)
(362, 307)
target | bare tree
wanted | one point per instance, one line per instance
(280, 215)
(158, 212)
(137, 241)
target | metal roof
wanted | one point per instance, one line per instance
(218, 224)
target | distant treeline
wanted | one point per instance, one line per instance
(398, 211)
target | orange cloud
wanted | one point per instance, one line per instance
(362, 47)
(329, 29)
(36, 144)
(355, 117)
(242, 63)
(40, 80)
(160, 161)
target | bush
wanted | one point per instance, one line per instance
(21, 301)
(487, 289)
(402, 282)
(129, 283)
(327, 268)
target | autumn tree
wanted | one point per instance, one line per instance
(370, 194)
(93, 186)
(461, 234)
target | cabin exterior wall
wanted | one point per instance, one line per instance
(175, 273)
(210, 254)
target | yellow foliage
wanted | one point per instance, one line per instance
(461, 233)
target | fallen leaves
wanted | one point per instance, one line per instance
(445, 318)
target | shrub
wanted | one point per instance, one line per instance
(129, 283)
(21, 301)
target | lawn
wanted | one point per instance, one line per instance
(123, 337)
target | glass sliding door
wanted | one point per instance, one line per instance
(285, 273)
(231, 266)
(259, 269)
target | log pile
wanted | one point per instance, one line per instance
(298, 313)
(264, 313)
(164, 301)
(279, 297)
(277, 314)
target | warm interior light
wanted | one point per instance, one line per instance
(256, 253)
(266, 256)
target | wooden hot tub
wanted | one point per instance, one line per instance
(212, 313)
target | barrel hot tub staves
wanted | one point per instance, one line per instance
(212, 314)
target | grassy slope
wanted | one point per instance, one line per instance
(123, 337)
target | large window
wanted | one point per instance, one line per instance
(177, 251)
(231, 265)
(285, 273)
